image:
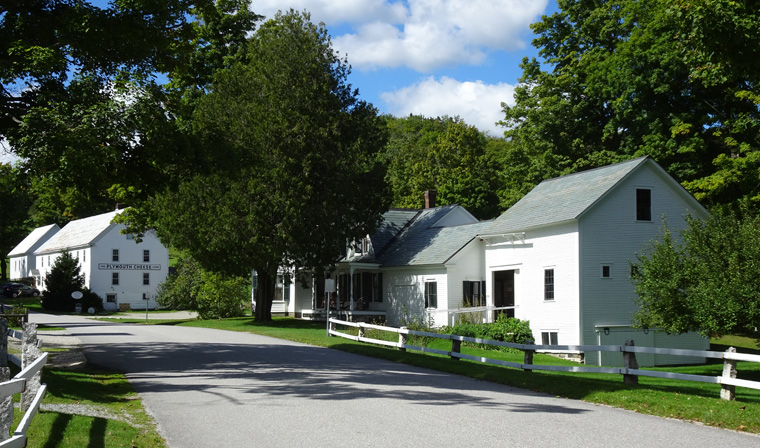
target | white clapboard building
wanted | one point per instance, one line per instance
(124, 273)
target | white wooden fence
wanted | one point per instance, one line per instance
(630, 371)
(26, 382)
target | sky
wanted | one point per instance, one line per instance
(430, 57)
(427, 57)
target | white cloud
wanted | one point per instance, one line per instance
(420, 34)
(477, 103)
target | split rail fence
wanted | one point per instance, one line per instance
(630, 370)
(26, 382)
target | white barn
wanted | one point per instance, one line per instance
(22, 259)
(123, 273)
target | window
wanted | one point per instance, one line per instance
(549, 338)
(111, 298)
(146, 278)
(368, 287)
(474, 293)
(431, 295)
(282, 287)
(115, 255)
(548, 284)
(606, 271)
(146, 256)
(643, 204)
(115, 278)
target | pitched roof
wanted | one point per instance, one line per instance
(420, 243)
(81, 232)
(32, 239)
(393, 222)
(563, 198)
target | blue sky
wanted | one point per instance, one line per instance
(429, 57)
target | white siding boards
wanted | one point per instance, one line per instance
(113, 265)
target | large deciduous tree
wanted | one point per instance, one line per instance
(15, 201)
(442, 154)
(289, 161)
(676, 80)
(705, 279)
(79, 100)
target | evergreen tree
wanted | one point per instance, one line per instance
(63, 279)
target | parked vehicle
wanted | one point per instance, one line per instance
(18, 290)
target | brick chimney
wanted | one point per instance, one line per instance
(430, 199)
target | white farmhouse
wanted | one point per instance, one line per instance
(123, 273)
(559, 258)
(22, 259)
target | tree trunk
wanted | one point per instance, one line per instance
(265, 294)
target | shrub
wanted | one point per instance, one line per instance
(221, 296)
(506, 329)
(91, 300)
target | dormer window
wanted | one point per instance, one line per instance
(361, 246)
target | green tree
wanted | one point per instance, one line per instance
(290, 167)
(78, 93)
(707, 280)
(63, 279)
(442, 154)
(15, 202)
(676, 80)
(212, 295)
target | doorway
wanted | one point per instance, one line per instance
(504, 292)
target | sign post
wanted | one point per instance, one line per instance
(329, 289)
(77, 296)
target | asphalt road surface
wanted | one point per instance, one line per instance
(211, 388)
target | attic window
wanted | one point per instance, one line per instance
(643, 204)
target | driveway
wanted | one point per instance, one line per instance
(209, 388)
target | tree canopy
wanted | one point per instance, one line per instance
(15, 202)
(442, 154)
(79, 93)
(290, 161)
(704, 279)
(676, 80)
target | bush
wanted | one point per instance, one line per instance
(212, 295)
(91, 300)
(221, 296)
(506, 329)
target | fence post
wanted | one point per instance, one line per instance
(728, 391)
(6, 403)
(361, 330)
(629, 362)
(528, 359)
(456, 347)
(402, 340)
(29, 353)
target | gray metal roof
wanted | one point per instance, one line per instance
(422, 244)
(79, 233)
(32, 239)
(562, 198)
(393, 221)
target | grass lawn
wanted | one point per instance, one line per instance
(91, 408)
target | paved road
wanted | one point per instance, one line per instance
(210, 388)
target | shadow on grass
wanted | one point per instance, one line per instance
(98, 433)
(57, 430)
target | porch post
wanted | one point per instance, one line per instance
(351, 270)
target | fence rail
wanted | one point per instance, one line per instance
(26, 382)
(630, 371)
